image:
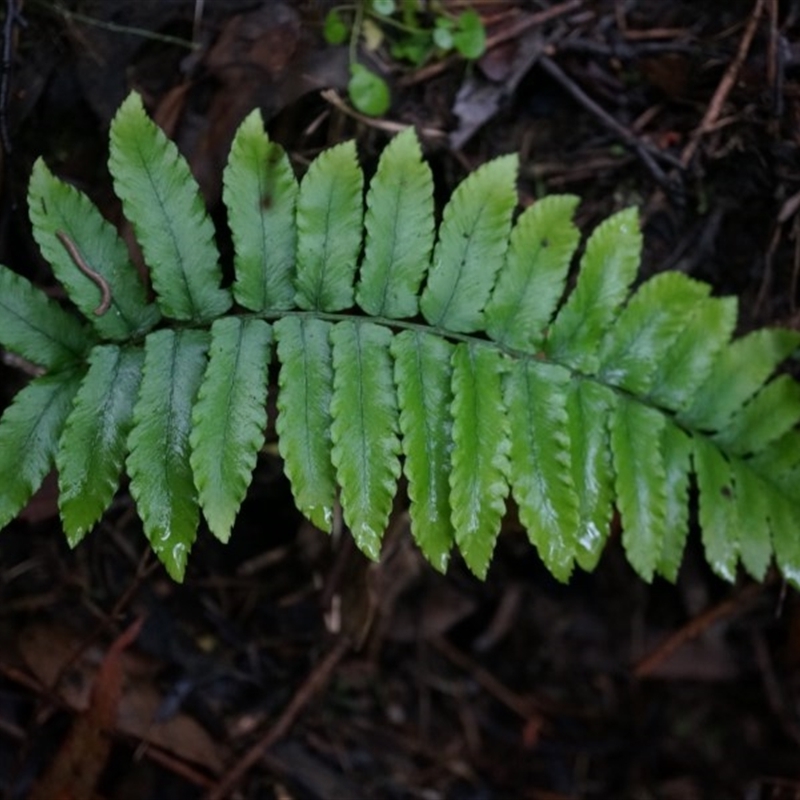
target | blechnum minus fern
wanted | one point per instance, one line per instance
(448, 355)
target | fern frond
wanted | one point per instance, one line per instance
(608, 268)
(531, 282)
(641, 482)
(453, 356)
(472, 242)
(305, 390)
(479, 466)
(736, 375)
(677, 449)
(399, 231)
(162, 483)
(229, 418)
(588, 410)
(329, 218)
(540, 463)
(92, 448)
(29, 432)
(364, 429)
(260, 193)
(36, 328)
(58, 209)
(425, 395)
(163, 203)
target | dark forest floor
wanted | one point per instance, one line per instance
(518, 687)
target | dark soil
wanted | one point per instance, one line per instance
(518, 687)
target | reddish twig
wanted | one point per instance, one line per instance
(725, 85)
(647, 665)
(313, 684)
(527, 21)
(523, 707)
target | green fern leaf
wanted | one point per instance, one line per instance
(646, 328)
(781, 457)
(36, 328)
(752, 513)
(708, 327)
(489, 383)
(229, 418)
(736, 375)
(58, 209)
(608, 268)
(531, 283)
(479, 476)
(641, 482)
(162, 483)
(92, 448)
(329, 217)
(472, 242)
(677, 450)
(260, 193)
(29, 432)
(422, 377)
(399, 231)
(718, 518)
(163, 202)
(305, 386)
(588, 408)
(775, 410)
(784, 523)
(540, 468)
(364, 429)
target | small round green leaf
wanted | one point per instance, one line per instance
(334, 28)
(384, 7)
(469, 37)
(368, 91)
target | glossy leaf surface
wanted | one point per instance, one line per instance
(422, 375)
(304, 417)
(364, 430)
(162, 483)
(229, 418)
(163, 202)
(399, 231)
(260, 192)
(93, 445)
(329, 216)
(479, 474)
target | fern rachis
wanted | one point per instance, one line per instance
(451, 356)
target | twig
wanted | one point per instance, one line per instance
(724, 88)
(640, 148)
(647, 665)
(528, 21)
(93, 275)
(313, 684)
(523, 707)
(332, 96)
(114, 27)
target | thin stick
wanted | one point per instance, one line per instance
(93, 275)
(629, 138)
(315, 681)
(725, 85)
(692, 629)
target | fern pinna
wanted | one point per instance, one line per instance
(447, 355)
